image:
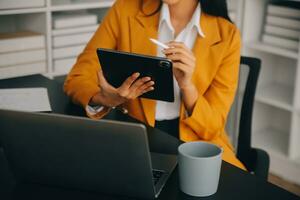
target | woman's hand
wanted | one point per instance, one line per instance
(184, 63)
(131, 88)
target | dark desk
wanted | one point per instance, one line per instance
(234, 183)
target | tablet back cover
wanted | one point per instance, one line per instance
(118, 66)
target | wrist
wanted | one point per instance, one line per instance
(99, 99)
(105, 100)
(188, 88)
(189, 95)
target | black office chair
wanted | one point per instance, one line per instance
(257, 161)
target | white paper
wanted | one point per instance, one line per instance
(25, 99)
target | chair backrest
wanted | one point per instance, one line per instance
(244, 134)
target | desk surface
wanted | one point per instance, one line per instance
(234, 183)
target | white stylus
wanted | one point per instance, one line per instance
(159, 43)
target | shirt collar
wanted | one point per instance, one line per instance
(194, 22)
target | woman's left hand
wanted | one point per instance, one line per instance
(184, 63)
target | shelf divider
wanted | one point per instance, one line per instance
(277, 95)
(271, 140)
(257, 45)
(80, 6)
(23, 11)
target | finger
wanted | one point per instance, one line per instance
(181, 58)
(177, 44)
(101, 79)
(145, 86)
(148, 90)
(100, 76)
(128, 82)
(177, 50)
(180, 52)
(181, 67)
(139, 83)
(135, 92)
(176, 58)
(139, 91)
(143, 91)
(180, 48)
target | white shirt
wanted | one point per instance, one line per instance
(166, 33)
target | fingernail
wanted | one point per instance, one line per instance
(137, 74)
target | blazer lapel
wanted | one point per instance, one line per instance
(141, 29)
(206, 50)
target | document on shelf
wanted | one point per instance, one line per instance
(25, 99)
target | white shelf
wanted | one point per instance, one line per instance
(22, 11)
(297, 160)
(61, 7)
(59, 73)
(271, 140)
(256, 45)
(81, 6)
(277, 95)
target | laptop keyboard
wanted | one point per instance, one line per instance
(157, 174)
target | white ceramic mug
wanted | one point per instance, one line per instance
(199, 168)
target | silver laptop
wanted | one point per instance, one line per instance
(71, 152)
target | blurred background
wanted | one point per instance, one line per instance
(46, 36)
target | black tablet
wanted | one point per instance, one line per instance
(117, 66)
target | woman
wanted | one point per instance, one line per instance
(205, 51)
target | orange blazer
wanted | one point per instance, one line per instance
(126, 28)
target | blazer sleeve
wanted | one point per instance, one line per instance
(81, 83)
(210, 112)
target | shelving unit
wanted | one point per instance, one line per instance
(278, 145)
(40, 20)
(81, 5)
(23, 21)
(271, 128)
(256, 45)
(276, 118)
(276, 94)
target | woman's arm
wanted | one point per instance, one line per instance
(211, 109)
(207, 113)
(184, 63)
(82, 82)
(86, 84)
(189, 96)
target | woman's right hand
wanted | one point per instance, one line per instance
(131, 88)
